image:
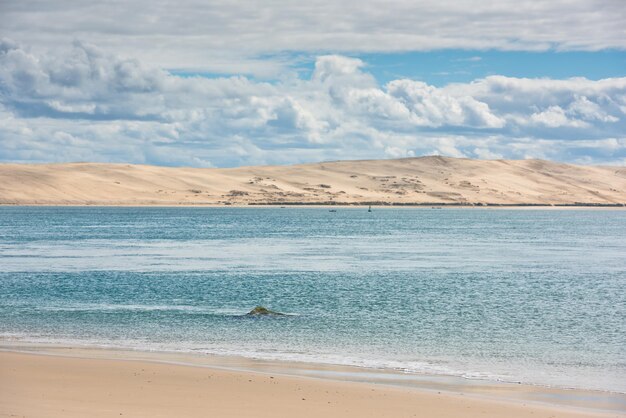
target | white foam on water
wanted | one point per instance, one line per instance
(381, 364)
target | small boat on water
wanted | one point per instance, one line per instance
(369, 209)
(332, 210)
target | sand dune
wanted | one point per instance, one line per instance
(425, 180)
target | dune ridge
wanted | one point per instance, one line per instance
(430, 180)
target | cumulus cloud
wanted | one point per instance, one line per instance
(555, 117)
(85, 104)
(435, 107)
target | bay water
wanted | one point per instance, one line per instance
(532, 296)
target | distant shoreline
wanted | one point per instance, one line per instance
(376, 205)
(410, 182)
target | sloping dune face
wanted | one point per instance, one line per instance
(411, 181)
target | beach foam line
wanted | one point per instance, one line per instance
(408, 368)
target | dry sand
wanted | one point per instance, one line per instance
(50, 386)
(425, 180)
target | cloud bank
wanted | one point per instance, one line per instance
(85, 104)
(221, 37)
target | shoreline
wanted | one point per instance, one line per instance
(491, 393)
(424, 379)
(330, 205)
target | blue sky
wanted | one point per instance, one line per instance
(212, 83)
(461, 66)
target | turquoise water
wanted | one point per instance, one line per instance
(515, 295)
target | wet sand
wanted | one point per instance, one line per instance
(79, 382)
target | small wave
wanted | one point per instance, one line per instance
(181, 309)
(140, 308)
(412, 367)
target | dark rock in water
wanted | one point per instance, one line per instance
(262, 311)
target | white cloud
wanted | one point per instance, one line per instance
(85, 104)
(221, 37)
(555, 117)
(397, 152)
(336, 67)
(588, 110)
(435, 107)
(579, 114)
(486, 154)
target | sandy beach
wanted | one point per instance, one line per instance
(410, 181)
(313, 209)
(87, 384)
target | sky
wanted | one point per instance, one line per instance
(209, 83)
